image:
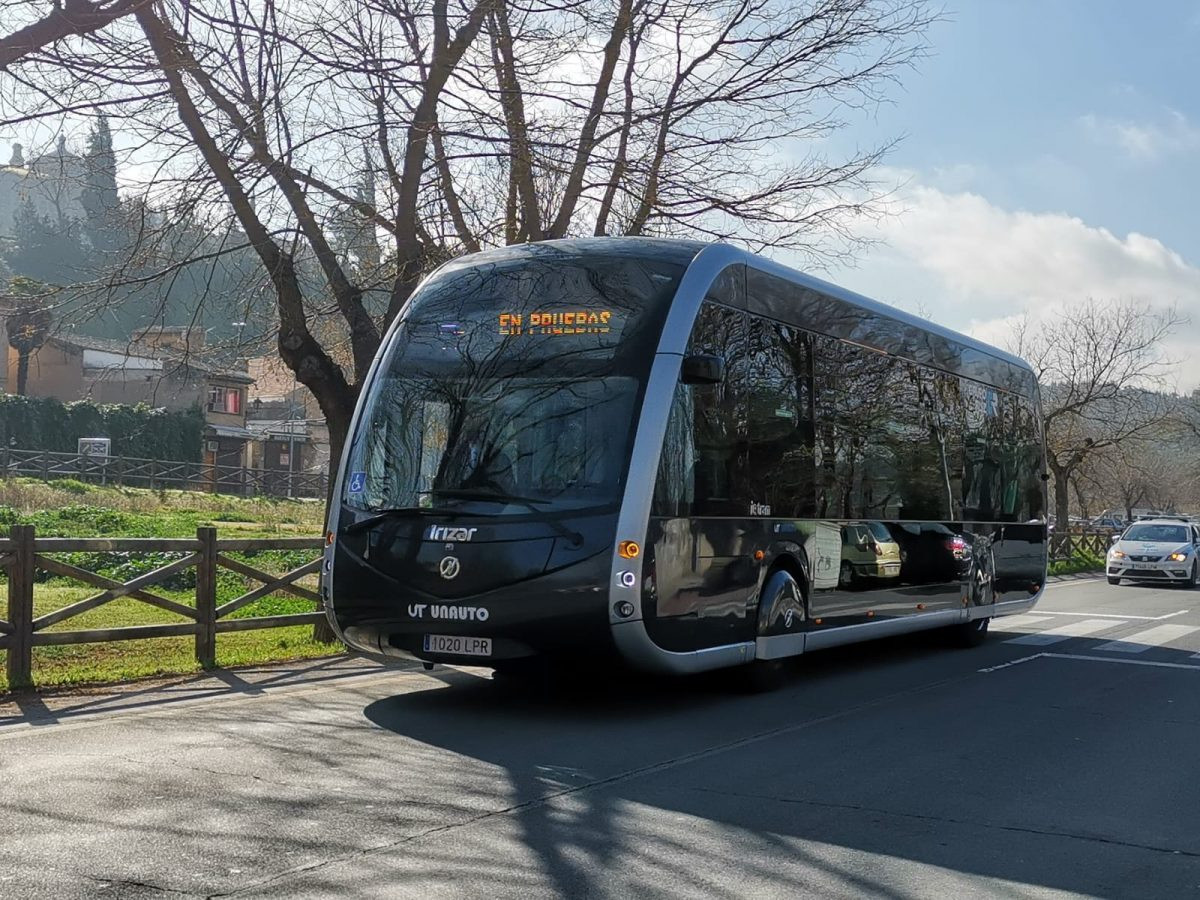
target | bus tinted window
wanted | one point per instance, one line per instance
(809, 425)
(781, 464)
(515, 379)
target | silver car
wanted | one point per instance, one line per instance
(1155, 550)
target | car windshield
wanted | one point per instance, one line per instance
(1157, 534)
(517, 381)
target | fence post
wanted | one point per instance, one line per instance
(206, 597)
(20, 607)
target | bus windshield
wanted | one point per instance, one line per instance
(514, 384)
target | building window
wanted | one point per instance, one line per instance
(225, 400)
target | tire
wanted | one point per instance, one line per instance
(1191, 582)
(762, 675)
(1112, 580)
(969, 634)
(845, 575)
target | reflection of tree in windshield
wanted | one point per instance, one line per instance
(517, 378)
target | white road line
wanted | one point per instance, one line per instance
(1159, 636)
(1101, 659)
(1054, 612)
(1063, 632)
(1117, 659)
(1011, 663)
(1016, 623)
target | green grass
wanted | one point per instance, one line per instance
(1081, 562)
(114, 512)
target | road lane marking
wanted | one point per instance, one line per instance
(1013, 623)
(1011, 663)
(1054, 612)
(1063, 632)
(1126, 662)
(1159, 636)
(1085, 658)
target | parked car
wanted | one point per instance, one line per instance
(930, 552)
(1163, 550)
(869, 552)
(1108, 522)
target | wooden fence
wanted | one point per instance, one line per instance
(23, 554)
(1075, 544)
(129, 471)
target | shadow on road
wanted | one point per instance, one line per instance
(620, 780)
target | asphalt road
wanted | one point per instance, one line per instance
(1060, 759)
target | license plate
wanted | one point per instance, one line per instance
(458, 645)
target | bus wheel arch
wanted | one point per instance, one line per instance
(783, 597)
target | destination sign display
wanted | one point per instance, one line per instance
(557, 322)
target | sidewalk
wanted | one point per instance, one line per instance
(51, 706)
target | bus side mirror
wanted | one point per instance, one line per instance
(702, 368)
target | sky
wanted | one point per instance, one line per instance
(1050, 153)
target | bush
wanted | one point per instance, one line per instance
(43, 423)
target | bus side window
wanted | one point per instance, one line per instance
(781, 463)
(718, 415)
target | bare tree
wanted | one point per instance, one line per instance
(48, 23)
(483, 122)
(1101, 366)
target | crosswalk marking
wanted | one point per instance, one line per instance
(1016, 623)
(1159, 636)
(1081, 628)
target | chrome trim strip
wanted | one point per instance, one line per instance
(1015, 607)
(849, 634)
(636, 646)
(629, 633)
(780, 645)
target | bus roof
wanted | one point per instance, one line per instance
(683, 252)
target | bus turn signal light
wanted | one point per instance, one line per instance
(328, 538)
(629, 549)
(758, 555)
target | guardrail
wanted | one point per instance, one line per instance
(129, 471)
(1072, 545)
(23, 554)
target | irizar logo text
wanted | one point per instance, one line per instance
(450, 534)
(444, 611)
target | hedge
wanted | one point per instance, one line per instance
(43, 423)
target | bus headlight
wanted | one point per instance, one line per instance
(626, 579)
(624, 609)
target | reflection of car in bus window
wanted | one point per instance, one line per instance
(869, 552)
(930, 552)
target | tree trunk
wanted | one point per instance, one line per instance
(22, 371)
(338, 413)
(1062, 501)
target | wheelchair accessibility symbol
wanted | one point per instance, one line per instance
(358, 481)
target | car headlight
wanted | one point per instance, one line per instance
(1178, 556)
(1117, 554)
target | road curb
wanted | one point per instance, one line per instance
(1077, 576)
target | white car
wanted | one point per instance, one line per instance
(1156, 550)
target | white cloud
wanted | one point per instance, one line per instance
(974, 266)
(1145, 141)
